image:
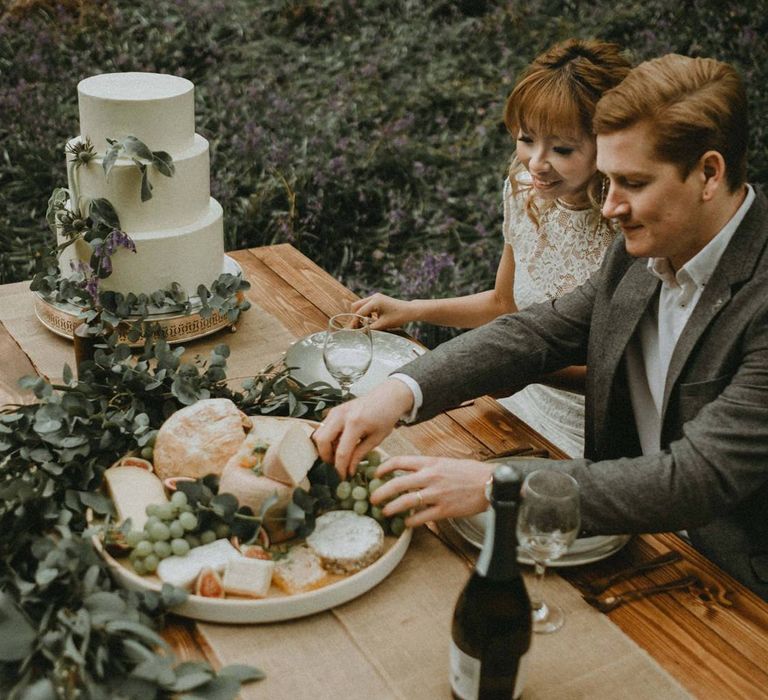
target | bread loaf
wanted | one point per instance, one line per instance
(345, 541)
(199, 439)
(132, 489)
(252, 490)
(288, 459)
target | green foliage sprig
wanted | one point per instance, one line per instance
(142, 156)
(65, 630)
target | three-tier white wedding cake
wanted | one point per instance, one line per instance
(177, 231)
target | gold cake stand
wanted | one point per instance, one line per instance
(63, 318)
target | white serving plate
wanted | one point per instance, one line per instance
(277, 605)
(390, 352)
(585, 550)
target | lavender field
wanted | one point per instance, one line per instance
(368, 133)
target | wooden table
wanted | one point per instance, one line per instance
(720, 653)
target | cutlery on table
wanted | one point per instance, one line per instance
(520, 451)
(598, 587)
(611, 602)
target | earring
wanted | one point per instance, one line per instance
(603, 190)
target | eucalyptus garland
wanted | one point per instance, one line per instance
(66, 631)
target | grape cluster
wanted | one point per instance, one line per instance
(355, 494)
(171, 528)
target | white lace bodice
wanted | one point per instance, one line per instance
(559, 255)
(551, 260)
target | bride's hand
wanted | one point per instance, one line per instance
(433, 488)
(385, 311)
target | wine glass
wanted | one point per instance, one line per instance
(348, 349)
(547, 524)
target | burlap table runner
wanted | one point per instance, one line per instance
(392, 642)
(260, 338)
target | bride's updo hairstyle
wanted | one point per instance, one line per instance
(558, 93)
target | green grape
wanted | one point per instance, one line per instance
(192, 540)
(188, 521)
(346, 504)
(222, 530)
(180, 547)
(151, 510)
(134, 537)
(147, 453)
(373, 459)
(207, 536)
(360, 507)
(150, 563)
(159, 531)
(176, 529)
(397, 525)
(360, 493)
(374, 484)
(151, 520)
(370, 472)
(162, 549)
(179, 498)
(343, 490)
(165, 511)
(143, 548)
(376, 513)
(139, 567)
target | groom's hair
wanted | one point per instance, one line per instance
(694, 105)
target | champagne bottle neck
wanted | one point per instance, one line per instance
(498, 558)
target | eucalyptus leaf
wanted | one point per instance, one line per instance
(42, 689)
(242, 672)
(17, 635)
(164, 163)
(103, 213)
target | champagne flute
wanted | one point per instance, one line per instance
(348, 349)
(547, 524)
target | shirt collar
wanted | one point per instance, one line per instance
(701, 266)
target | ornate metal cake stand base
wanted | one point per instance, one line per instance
(63, 318)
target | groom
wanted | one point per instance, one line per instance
(673, 329)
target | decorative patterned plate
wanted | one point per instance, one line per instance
(63, 318)
(390, 351)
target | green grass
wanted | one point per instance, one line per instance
(367, 133)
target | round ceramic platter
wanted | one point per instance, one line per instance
(277, 605)
(274, 607)
(390, 351)
(62, 318)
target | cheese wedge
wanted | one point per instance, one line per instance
(300, 571)
(290, 458)
(132, 489)
(183, 571)
(248, 577)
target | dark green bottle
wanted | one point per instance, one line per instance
(491, 632)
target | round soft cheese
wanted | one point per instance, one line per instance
(345, 541)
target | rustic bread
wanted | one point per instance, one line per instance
(252, 490)
(132, 489)
(345, 541)
(248, 577)
(300, 571)
(199, 439)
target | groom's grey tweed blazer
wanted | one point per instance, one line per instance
(711, 474)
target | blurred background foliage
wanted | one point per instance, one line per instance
(368, 133)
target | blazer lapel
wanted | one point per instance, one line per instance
(628, 304)
(735, 267)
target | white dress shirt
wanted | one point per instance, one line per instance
(650, 350)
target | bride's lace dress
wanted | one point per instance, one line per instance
(550, 260)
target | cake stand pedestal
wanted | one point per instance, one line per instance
(63, 318)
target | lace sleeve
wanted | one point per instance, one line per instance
(512, 213)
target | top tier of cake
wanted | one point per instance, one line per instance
(157, 109)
